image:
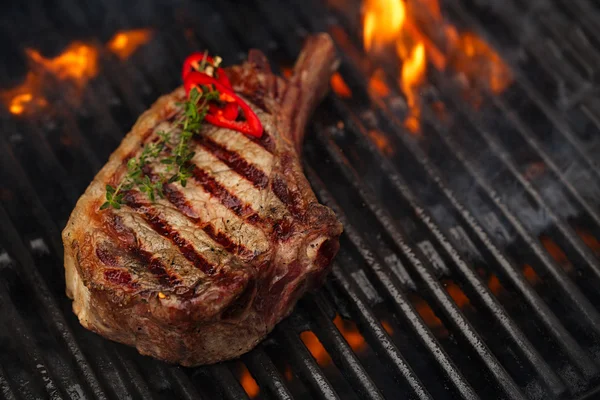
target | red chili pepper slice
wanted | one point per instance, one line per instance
(192, 63)
(252, 126)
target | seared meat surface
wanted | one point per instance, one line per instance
(203, 274)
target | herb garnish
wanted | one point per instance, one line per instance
(177, 160)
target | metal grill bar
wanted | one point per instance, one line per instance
(281, 21)
(577, 354)
(5, 388)
(45, 299)
(305, 365)
(227, 382)
(34, 357)
(436, 177)
(443, 299)
(341, 353)
(376, 335)
(497, 149)
(392, 290)
(542, 368)
(534, 95)
(261, 366)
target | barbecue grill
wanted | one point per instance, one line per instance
(470, 263)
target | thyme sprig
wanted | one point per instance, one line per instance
(177, 157)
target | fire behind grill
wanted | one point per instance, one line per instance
(470, 263)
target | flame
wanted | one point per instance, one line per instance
(480, 64)
(383, 20)
(412, 76)
(557, 253)
(76, 65)
(248, 383)
(25, 97)
(589, 240)
(124, 43)
(420, 35)
(350, 332)
(313, 344)
(340, 87)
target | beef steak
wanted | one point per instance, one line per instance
(203, 274)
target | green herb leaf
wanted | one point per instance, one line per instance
(194, 109)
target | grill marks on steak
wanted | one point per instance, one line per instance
(219, 174)
(213, 265)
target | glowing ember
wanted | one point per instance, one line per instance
(350, 332)
(420, 35)
(381, 141)
(313, 344)
(457, 294)
(429, 317)
(557, 253)
(248, 382)
(495, 285)
(589, 240)
(531, 275)
(377, 83)
(387, 326)
(288, 373)
(123, 44)
(339, 86)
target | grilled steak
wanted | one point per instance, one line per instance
(203, 274)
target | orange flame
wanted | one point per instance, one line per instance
(416, 29)
(77, 64)
(383, 20)
(350, 332)
(123, 44)
(340, 87)
(24, 98)
(412, 77)
(480, 64)
(248, 383)
(313, 344)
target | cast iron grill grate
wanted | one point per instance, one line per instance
(470, 263)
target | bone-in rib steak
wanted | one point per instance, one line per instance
(203, 274)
